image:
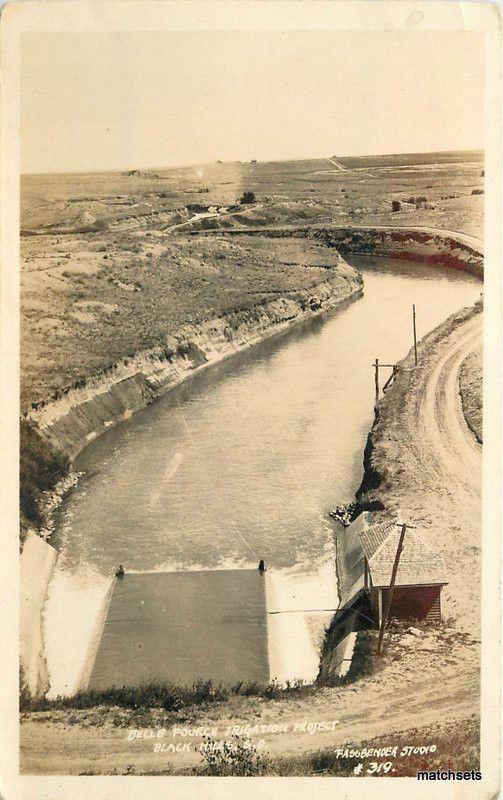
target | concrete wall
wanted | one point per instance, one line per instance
(339, 645)
(343, 655)
(350, 565)
(36, 566)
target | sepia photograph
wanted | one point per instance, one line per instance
(253, 360)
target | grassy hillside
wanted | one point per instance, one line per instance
(99, 299)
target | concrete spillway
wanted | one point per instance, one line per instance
(183, 627)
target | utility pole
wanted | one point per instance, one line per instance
(376, 365)
(391, 588)
(414, 328)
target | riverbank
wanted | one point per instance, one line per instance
(85, 412)
(115, 295)
(446, 248)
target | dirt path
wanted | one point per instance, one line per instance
(206, 215)
(338, 166)
(188, 222)
(356, 714)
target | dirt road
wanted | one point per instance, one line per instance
(356, 714)
(430, 463)
(446, 435)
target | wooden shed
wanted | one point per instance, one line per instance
(420, 578)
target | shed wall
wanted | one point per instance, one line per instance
(415, 602)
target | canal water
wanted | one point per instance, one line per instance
(243, 462)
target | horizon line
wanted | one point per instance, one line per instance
(119, 170)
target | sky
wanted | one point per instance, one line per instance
(114, 101)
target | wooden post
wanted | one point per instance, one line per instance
(376, 365)
(379, 606)
(391, 590)
(414, 328)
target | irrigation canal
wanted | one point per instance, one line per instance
(242, 462)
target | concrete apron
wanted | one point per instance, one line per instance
(36, 565)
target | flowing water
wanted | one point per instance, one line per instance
(243, 462)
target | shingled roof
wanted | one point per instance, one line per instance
(419, 564)
(373, 536)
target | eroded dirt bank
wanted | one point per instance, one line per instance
(428, 245)
(85, 412)
(446, 248)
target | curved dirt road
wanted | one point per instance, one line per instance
(430, 463)
(444, 431)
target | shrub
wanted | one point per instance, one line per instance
(183, 349)
(168, 696)
(162, 694)
(41, 467)
(24, 692)
(207, 224)
(239, 757)
(247, 198)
